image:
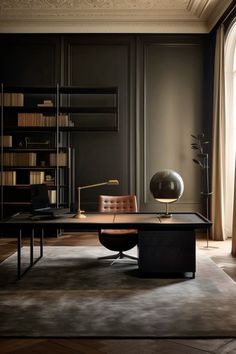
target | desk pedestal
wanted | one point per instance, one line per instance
(167, 251)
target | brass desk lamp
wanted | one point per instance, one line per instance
(80, 213)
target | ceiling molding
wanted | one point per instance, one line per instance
(209, 11)
(197, 6)
(114, 16)
(95, 26)
(219, 10)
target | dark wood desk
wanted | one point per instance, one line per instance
(165, 245)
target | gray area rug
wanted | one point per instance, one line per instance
(70, 293)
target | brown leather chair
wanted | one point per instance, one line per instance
(118, 240)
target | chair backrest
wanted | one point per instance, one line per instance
(117, 203)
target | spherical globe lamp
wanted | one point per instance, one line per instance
(167, 186)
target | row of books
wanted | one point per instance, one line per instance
(8, 178)
(28, 159)
(6, 141)
(12, 99)
(39, 120)
(19, 159)
(58, 159)
(36, 177)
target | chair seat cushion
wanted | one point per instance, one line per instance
(118, 232)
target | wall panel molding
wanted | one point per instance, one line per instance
(171, 108)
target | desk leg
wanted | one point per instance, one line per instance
(32, 261)
(41, 247)
(19, 244)
(41, 242)
(32, 248)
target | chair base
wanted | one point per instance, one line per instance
(117, 256)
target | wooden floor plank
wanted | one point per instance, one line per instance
(8, 346)
(95, 345)
(84, 346)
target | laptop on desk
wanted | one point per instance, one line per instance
(40, 203)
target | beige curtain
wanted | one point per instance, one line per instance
(218, 141)
(234, 219)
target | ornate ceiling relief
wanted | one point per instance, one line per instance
(107, 4)
(132, 4)
(35, 4)
(95, 4)
(120, 4)
(118, 9)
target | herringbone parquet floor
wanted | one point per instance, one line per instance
(118, 346)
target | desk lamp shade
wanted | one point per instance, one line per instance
(167, 187)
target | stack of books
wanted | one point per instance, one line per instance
(49, 180)
(46, 103)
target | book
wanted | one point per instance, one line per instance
(52, 194)
(6, 141)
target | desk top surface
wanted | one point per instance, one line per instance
(155, 218)
(112, 220)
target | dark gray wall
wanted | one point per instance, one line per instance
(30, 60)
(162, 100)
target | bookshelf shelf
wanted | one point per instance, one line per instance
(35, 129)
(28, 203)
(16, 203)
(62, 89)
(27, 186)
(20, 109)
(33, 168)
(64, 109)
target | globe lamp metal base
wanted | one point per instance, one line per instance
(166, 214)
